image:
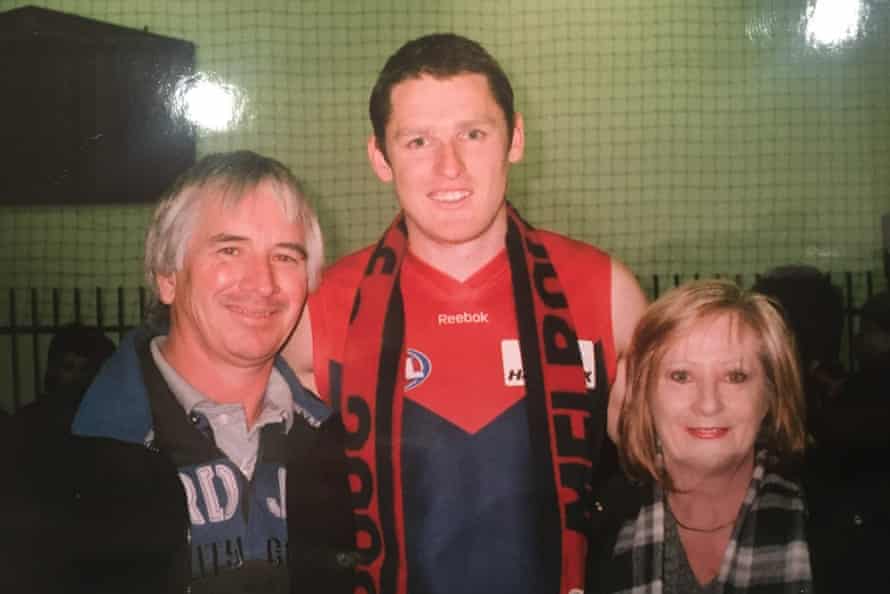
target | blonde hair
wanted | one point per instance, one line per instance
(782, 432)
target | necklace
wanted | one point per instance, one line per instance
(694, 529)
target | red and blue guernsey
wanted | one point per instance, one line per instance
(465, 479)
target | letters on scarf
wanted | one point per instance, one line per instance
(564, 434)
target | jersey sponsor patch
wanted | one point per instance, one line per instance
(417, 368)
(515, 376)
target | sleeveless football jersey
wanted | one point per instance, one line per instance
(470, 501)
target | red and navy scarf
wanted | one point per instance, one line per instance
(560, 418)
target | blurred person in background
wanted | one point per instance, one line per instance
(814, 312)
(37, 447)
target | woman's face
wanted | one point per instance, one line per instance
(709, 399)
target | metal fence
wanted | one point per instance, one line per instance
(32, 316)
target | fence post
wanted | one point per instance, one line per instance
(77, 316)
(14, 353)
(57, 307)
(35, 343)
(850, 313)
(141, 304)
(100, 310)
(121, 314)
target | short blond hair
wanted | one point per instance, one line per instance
(783, 430)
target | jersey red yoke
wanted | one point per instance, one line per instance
(436, 302)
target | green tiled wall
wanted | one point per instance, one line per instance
(682, 135)
(685, 136)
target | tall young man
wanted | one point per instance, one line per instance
(470, 354)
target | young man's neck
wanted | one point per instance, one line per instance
(461, 260)
(219, 382)
(455, 261)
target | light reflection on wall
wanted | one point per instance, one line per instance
(834, 23)
(208, 102)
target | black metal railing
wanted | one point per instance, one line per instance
(856, 288)
(34, 315)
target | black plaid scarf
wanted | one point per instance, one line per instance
(767, 552)
(557, 400)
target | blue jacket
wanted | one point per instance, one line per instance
(133, 442)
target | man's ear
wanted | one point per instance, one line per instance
(166, 287)
(378, 160)
(517, 144)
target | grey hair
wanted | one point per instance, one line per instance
(231, 175)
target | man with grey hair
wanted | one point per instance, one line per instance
(208, 467)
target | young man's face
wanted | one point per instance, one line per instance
(243, 283)
(448, 155)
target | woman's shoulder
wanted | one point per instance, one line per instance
(618, 500)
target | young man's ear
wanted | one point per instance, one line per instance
(166, 287)
(378, 160)
(517, 144)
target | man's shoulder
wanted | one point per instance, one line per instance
(347, 271)
(328, 308)
(116, 404)
(339, 283)
(579, 265)
(305, 403)
(562, 246)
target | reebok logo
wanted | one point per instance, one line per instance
(466, 317)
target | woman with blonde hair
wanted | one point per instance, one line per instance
(712, 420)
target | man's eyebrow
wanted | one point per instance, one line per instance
(480, 121)
(293, 246)
(461, 125)
(226, 237)
(418, 131)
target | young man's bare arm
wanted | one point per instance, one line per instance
(298, 352)
(628, 304)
